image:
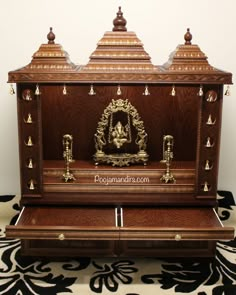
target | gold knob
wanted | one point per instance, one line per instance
(61, 237)
(178, 237)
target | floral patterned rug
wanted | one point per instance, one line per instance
(89, 276)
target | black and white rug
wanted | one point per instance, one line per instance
(88, 276)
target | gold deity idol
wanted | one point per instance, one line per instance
(120, 132)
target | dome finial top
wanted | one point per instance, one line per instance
(51, 37)
(119, 22)
(188, 37)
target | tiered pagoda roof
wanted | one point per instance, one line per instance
(119, 56)
(120, 50)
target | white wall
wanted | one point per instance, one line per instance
(79, 25)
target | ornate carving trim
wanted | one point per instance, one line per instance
(111, 77)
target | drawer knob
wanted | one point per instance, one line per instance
(61, 237)
(178, 237)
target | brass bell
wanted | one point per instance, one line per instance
(227, 92)
(64, 91)
(209, 144)
(210, 121)
(29, 119)
(146, 91)
(31, 185)
(37, 92)
(206, 186)
(208, 165)
(173, 92)
(29, 141)
(91, 91)
(200, 92)
(12, 91)
(118, 92)
(30, 163)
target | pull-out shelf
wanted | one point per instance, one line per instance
(173, 224)
(52, 223)
(88, 229)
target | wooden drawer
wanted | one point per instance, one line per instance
(172, 224)
(63, 223)
(99, 223)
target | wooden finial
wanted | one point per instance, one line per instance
(119, 22)
(188, 37)
(51, 37)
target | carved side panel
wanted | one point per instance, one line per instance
(209, 140)
(29, 124)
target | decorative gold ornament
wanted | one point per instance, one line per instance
(114, 141)
(27, 95)
(68, 156)
(168, 144)
(211, 96)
